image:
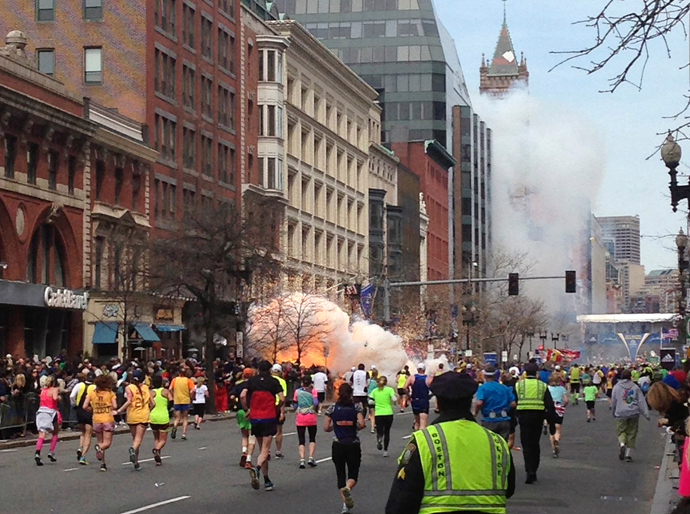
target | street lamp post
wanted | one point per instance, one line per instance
(468, 313)
(682, 244)
(543, 335)
(670, 154)
(530, 335)
(555, 338)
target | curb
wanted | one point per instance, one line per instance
(665, 496)
(73, 435)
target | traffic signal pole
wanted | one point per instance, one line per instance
(388, 285)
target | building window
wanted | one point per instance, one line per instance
(98, 264)
(92, 65)
(206, 92)
(223, 156)
(118, 184)
(44, 265)
(228, 6)
(53, 162)
(165, 137)
(188, 143)
(100, 177)
(206, 37)
(46, 61)
(93, 9)
(188, 25)
(223, 44)
(271, 66)
(10, 155)
(31, 163)
(164, 71)
(188, 87)
(164, 15)
(45, 10)
(274, 173)
(136, 187)
(206, 157)
(188, 199)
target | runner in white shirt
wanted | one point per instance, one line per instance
(360, 383)
(319, 380)
(199, 402)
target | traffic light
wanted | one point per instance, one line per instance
(570, 282)
(513, 284)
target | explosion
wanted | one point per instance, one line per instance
(315, 331)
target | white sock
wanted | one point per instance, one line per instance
(244, 449)
(628, 452)
(249, 458)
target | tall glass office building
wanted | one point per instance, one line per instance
(401, 48)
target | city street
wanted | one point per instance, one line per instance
(202, 475)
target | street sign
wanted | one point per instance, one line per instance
(504, 356)
(468, 353)
(490, 358)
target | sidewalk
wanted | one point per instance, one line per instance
(666, 494)
(70, 435)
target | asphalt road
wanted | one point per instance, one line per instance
(202, 475)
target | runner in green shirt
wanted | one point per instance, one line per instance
(384, 399)
(591, 392)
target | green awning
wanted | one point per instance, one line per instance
(145, 332)
(105, 332)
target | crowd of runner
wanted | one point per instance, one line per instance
(54, 394)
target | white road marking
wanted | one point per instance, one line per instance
(159, 504)
(145, 460)
(202, 448)
(290, 433)
(7, 451)
(70, 469)
(324, 460)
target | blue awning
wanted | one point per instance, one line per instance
(145, 332)
(170, 328)
(105, 332)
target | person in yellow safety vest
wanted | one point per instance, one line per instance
(454, 465)
(276, 372)
(534, 405)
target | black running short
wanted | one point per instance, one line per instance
(265, 429)
(84, 417)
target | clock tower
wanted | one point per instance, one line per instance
(504, 72)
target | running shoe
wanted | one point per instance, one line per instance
(132, 455)
(254, 474)
(83, 462)
(243, 460)
(345, 510)
(621, 453)
(103, 467)
(99, 452)
(51, 457)
(302, 465)
(173, 432)
(379, 444)
(372, 430)
(555, 454)
(588, 420)
(279, 455)
(184, 437)
(628, 458)
(545, 430)
(37, 457)
(157, 457)
(79, 453)
(385, 454)
(312, 463)
(248, 465)
(347, 494)
(269, 486)
(137, 466)
(557, 448)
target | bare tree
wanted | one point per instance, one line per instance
(267, 330)
(213, 255)
(625, 37)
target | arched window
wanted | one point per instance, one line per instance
(44, 265)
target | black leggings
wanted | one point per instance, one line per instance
(301, 434)
(383, 428)
(347, 458)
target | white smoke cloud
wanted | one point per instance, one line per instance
(548, 164)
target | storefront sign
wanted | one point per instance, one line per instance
(65, 299)
(163, 314)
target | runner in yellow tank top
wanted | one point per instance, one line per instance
(138, 407)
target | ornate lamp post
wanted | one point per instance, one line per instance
(670, 154)
(543, 336)
(555, 338)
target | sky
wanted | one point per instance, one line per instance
(628, 121)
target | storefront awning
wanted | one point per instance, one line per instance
(105, 332)
(145, 332)
(170, 328)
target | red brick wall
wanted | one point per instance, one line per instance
(121, 34)
(433, 182)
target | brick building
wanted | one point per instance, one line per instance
(69, 168)
(430, 162)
